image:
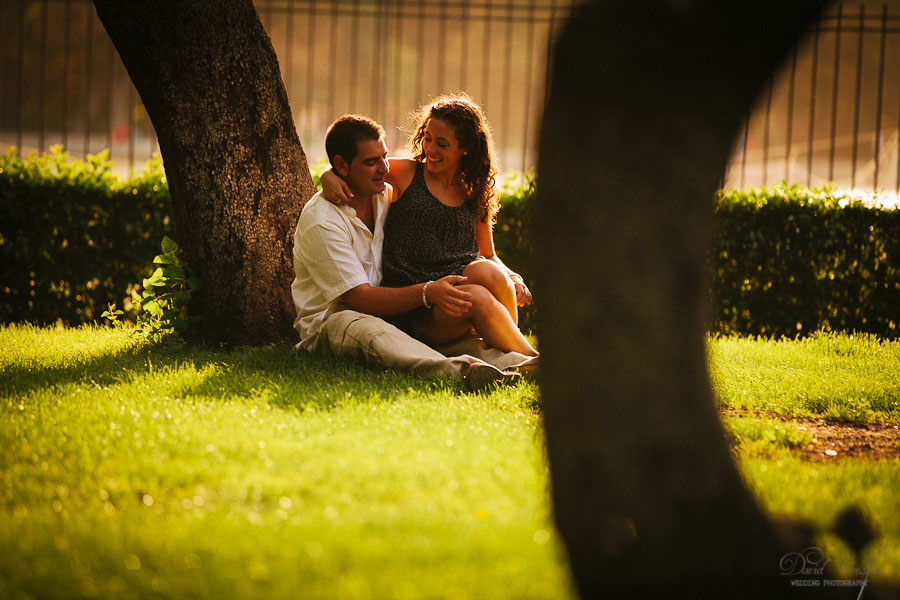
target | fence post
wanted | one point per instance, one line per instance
(857, 100)
(812, 103)
(834, 90)
(880, 100)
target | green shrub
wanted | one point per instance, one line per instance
(786, 260)
(512, 240)
(315, 171)
(166, 295)
(74, 236)
(789, 260)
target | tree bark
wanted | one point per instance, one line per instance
(208, 76)
(645, 101)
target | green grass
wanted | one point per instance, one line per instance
(850, 379)
(166, 471)
(261, 472)
(817, 492)
(761, 437)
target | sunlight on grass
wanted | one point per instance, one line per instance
(26, 345)
(851, 379)
(154, 470)
(817, 492)
(764, 437)
(170, 471)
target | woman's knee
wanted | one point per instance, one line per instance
(489, 274)
(483, 300)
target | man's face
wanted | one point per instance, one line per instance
(365, 175)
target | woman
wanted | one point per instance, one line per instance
(440, 223)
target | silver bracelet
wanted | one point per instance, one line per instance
(424, 299)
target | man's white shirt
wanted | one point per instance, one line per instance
(333, 253)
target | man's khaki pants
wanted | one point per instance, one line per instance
(374, 340)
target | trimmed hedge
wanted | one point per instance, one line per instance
(511, 242)
(786, 261)
(74, 236)
(789, 260)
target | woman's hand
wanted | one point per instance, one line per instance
(523, 294)
(335, 189)
(444, 294)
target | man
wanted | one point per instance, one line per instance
(337, 267)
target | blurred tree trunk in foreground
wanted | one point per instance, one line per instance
(208, 76)
(645, 101)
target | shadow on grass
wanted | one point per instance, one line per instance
(277, 374)
(284, 377)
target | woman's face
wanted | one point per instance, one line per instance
(441, 148)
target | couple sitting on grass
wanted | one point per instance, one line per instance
(394, 259)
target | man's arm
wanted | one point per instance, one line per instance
(386, 301)
(326, 251)
(399, 176)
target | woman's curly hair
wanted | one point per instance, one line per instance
(478, 167)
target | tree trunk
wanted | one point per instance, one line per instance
(208, 76)
(645, 101)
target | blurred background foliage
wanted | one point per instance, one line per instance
(74, 236)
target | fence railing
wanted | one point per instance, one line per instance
(830, 114)
(386, 57)
(61, 81)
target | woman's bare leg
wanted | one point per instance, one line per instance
(487, 315)
(492, 276)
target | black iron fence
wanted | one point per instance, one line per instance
(830, 114)
(62, 82)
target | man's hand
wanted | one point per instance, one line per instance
(444, 294)
(335, 189)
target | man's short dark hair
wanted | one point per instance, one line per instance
(344, 134)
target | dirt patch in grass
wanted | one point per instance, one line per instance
(833, 441)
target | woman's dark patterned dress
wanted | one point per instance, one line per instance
(425, 240)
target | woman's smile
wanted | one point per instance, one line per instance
(441, 147)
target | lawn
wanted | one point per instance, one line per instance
(132, 470)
